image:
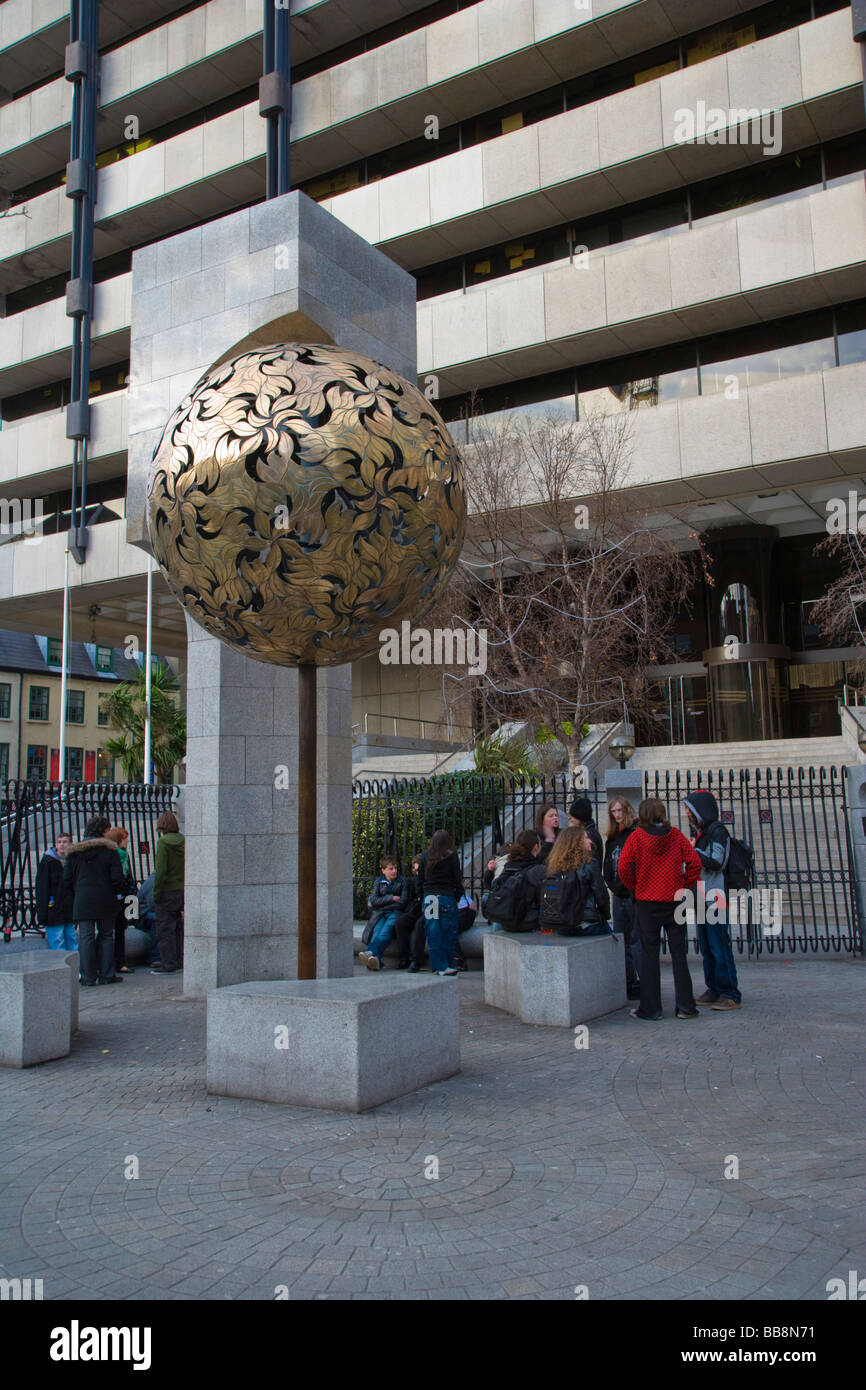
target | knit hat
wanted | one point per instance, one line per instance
(581, 809)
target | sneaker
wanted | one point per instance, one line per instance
(649, 1018)
(372, 962)
(449, 971)
(725, 1004)
(706, 998)
(681, 1013)
(164, 970)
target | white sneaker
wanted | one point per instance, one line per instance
(372, 962)
(446, 972)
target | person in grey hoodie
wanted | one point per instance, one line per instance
(712, 845)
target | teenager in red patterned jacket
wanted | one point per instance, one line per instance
(657, 862)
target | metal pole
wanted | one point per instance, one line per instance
(64, 661)
(147, 662)
(307, 719)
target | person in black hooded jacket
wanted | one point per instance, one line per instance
(93, 875)
(524, 859)
(712, 845)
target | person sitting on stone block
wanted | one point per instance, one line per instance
(387, 901)
(411, 936)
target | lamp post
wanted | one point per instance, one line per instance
(622, 748)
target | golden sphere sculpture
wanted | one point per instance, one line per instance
(301, 499)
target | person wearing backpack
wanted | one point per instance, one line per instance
(512, 902)
(712, 845)
(621, 821)
(574, 899)
(656, 863)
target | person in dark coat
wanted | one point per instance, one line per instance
(712, 845)
(580, 813)
(573, 856)
(621, 821)
(53, 899)
(525, 859)
(386, 902)
(168, 881)
(93, 875)
(409, 927)
(441, 881)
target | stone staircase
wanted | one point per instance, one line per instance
(769, 754)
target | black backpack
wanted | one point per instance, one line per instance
(562, 903)
(740, 868)
(506, 901)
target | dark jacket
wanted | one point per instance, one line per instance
(381, 899)
(529, 865)
(595, 840)
(656, 863)
(593, 885)
(713, 843)
(612, 851)
(93, 875)
(53, 898)
(446, 877)
(546, 847)
(168, 865)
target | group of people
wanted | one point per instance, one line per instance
(430, 906)
(85, 890)
(567, 880)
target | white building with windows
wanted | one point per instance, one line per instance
(525, 160)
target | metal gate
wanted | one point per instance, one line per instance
(32, 814)
(796, 823)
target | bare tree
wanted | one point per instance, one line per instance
(576, 593)
(841, 612)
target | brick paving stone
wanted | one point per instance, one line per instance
(556, 1169)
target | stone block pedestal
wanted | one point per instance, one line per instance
(338, 1044)
(35, 1008)
(554, 980)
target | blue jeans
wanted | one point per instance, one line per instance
(720, 972)
(383, 934)
(62, 938)
(441, 925)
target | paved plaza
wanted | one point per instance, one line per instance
(559, 1168)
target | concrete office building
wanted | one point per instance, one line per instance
(539, 166)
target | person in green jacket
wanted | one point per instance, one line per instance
(168, 895)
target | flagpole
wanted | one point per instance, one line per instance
(148, 640)
(64, 662)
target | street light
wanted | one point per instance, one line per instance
(622, 747)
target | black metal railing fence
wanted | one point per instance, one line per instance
(33, 814)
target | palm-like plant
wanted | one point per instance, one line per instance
(126, 707)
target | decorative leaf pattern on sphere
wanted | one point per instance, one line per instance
(301, 499)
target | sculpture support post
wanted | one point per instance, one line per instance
(307, 721)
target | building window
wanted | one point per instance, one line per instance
(54, 655)
(4, 762)
(104, 659)
(75, 706)
(5, 700)
(39, 702)
(74, 764)
(37, 755)
(101, 713)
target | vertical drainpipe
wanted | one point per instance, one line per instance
(82, 69)
(275, 95)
